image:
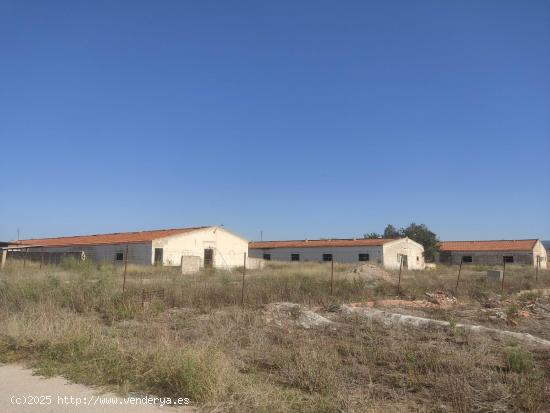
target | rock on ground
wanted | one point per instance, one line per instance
(286, 314)
(392, 319)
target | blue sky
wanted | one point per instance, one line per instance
(299, 119)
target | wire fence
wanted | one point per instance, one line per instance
(146, 277)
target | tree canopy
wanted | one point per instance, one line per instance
(417, 232)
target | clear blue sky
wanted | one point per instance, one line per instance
(298, 118)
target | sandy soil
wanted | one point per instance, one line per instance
(19, 388)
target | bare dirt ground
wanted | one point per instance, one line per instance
(21, 391)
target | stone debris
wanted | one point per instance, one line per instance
(392, 320)
(440, 298)
(541, 306)
(494, 315)
(496, 311)
(287, 314)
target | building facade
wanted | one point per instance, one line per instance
(525, 252)
(216, 247)
(387, 252)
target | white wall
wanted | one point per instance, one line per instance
(339, 254)
(229, 249)
(386, 254)
(539, 250)
(404, 246)
(496, 257)
(137, 253)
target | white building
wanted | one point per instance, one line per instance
(215, 246)
(496, 252)
(386, 252)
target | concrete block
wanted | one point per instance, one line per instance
(494, 275)
(255, 263)
(190, 264)
(3, 261)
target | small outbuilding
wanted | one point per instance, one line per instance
(525, 251)
(214, 246)
(390, 253)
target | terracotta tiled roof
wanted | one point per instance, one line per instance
(360, 242)
(99, 239)
(500, 245)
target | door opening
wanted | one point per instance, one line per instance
(405, 263)
(208, 258)
(158, 256)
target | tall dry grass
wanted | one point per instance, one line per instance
(198, 342)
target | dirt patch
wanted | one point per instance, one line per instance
(439, 299)
(370, 272)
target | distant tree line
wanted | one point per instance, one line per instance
(417, 232)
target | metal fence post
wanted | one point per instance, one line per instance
(503, 272)
(242, 286)
(125, 268)
(458, 277)
(332, 277)
(399, 282)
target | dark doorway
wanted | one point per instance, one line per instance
(405, 261)
(208, 258)
(158, 256)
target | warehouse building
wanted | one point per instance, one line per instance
(387, 252)
(526, 252)
(211, 246)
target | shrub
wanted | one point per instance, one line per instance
(518, 360)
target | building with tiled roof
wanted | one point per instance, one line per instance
(494, 252)
(391, 253)
(213, 245)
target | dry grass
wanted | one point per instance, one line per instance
(199, 343)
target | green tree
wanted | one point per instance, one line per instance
(372, 235)
(391, 232)
(422, 234)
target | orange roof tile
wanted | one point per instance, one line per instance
(361, 242)
(497, 245)
(99, 239)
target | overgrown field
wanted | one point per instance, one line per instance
(198, 341)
